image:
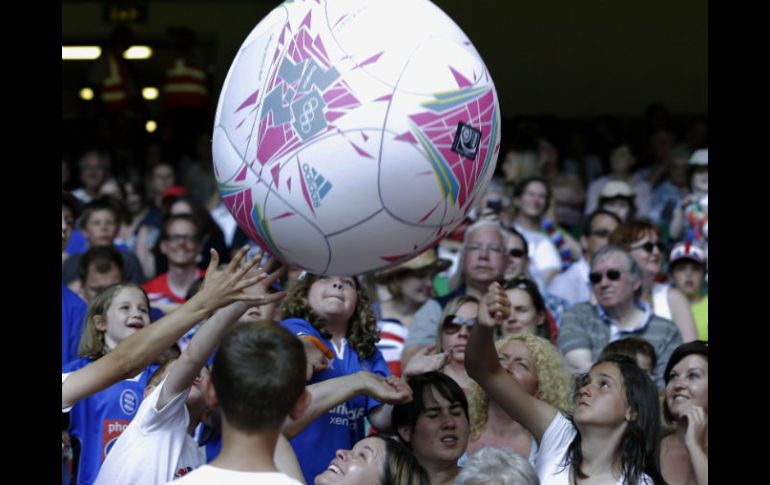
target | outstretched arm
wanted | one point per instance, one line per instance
(329, 393)
(184, 371)
(133, 355)
(482, 364)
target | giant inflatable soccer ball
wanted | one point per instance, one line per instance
(351, 135)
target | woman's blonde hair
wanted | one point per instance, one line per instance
(92, 340)
(361, 334)
(554, 383)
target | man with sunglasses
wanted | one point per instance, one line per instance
(618, 313)
(573, 284)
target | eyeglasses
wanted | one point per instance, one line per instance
(181, 238)
(649, 246)
(453, 323)
(475, 248)
(517, 253)
(612, 275)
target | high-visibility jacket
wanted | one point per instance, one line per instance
(114, 92)
(185, 86)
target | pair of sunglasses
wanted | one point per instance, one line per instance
(612, 275)
(517, 253)
(649, 246)
(453, 323)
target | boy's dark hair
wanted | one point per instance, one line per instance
(99, 204)
(180, 217)
(407, 414)
(589, 223)
(258, 374)
(630, 346)
(102, 257)
(69, 200)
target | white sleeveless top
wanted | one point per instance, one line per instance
(660, 300)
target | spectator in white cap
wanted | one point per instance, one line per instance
(619, 198)
(690, 221)
(401, 291)
(687, 270)
(622, 159)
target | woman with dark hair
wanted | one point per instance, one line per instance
(340, 309)
(643, 241)
(376, 460)
(684, 455)
(528, 312)
(434, 424)
(614, 434)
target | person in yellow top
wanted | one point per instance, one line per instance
(687, 270)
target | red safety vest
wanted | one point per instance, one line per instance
(114, 93)
(185, 86)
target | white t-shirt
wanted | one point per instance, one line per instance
(543, 255)
(210, 475)
(155, 447)
(553, 447)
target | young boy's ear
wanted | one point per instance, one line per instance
(300, 405)
(210, 394)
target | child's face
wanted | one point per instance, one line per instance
(688, 276)
(101, 228)
(128, 312)
(333, 297)
(700, 180)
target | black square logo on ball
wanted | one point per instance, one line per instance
(467, 141)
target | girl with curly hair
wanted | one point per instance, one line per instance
(339, 307)
(535, 364)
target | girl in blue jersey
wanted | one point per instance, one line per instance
(340, 308)
(113, 316)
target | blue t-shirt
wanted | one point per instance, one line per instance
(73, 314)
(98, 420)
(342, 426)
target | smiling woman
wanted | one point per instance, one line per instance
(684, 453)
(374, 461)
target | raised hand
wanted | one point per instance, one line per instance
(426, 360)
(696, 428)
(495, 307)
(259, 290)
(222, 287)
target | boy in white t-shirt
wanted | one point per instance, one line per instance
(257, 380)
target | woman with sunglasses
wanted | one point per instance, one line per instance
(643, 241)
(456, 321)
